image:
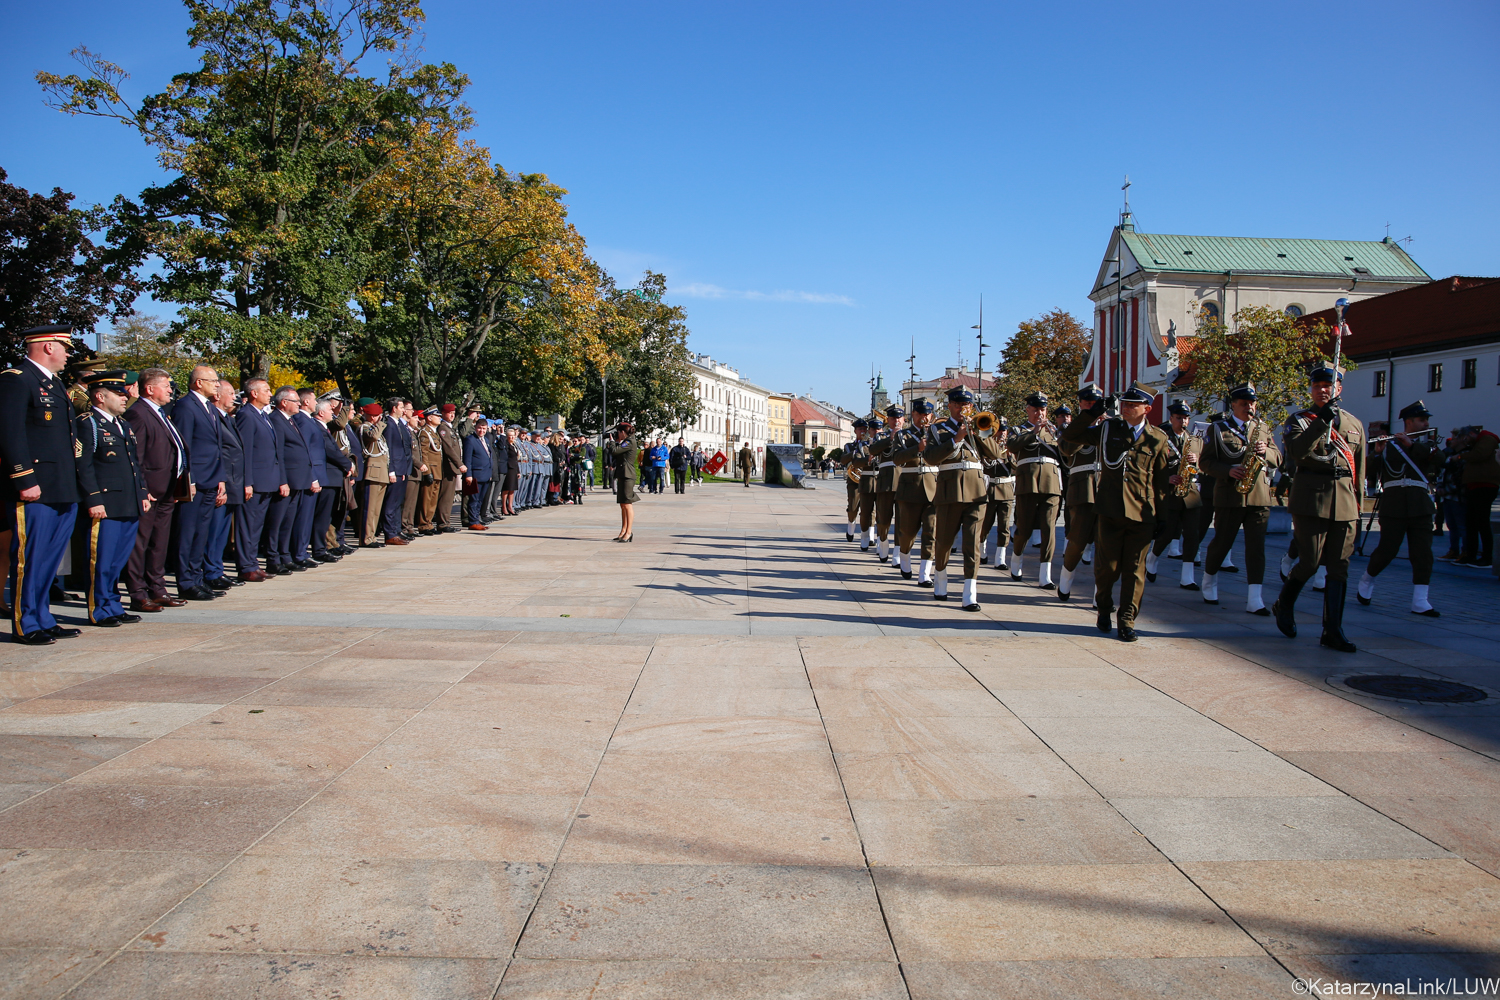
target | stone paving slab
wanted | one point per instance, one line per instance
(738, 758)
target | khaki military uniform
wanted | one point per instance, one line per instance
(1001, 498)
(962, 491)
(1132, 483)
(1405, 506)
(1326, 491)
(1184, 513)
(448, 474)
(1081, 482)
(869, 474)
(1038, 488)
(886, 472)
(916, 486)
(377, 477)
(1228, 444)
(855, 454)
(429, 452)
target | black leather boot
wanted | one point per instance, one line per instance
(1333, 617)
(1286, 605)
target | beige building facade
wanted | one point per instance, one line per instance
(779, 418)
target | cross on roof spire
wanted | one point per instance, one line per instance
(1126, 188)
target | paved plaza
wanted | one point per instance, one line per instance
(738, 758)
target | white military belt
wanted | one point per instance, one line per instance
(1037, 458)
(1001, 480)
(869, 472)
(927, 468)
(887, 465)
(950, 466)
(1404, 482)
(1091, 467)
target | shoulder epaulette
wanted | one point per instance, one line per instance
(11, 371)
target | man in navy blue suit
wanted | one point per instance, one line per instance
(336, 468)
(197, 422)
(312, 436)
(398, 442)
(235, 492)
(266, 487)
(297, 465)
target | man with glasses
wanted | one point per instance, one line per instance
(196, 420)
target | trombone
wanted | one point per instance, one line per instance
(987, 425)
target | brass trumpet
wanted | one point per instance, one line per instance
(985, 424)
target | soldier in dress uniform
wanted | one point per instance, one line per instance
(1038, 486)
(1327, 446)
(1183, 512)
(961, 494)
(1001, 497)
(915, 488)
(1134, 478)
(114, 494)
(855, 456)
(869, 476)
(1404, 467)
(885, 478)
(39, 447)
(1229, 447)
(1080, 481)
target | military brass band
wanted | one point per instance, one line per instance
(1133, 491)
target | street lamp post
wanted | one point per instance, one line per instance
(982, 346)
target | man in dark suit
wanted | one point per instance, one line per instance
(164, 462)
(499, 466)
(398, 444)
(312, 436)
(266, 488)
(196, 418)
(113, 491)
(337, 468)
(297, 465)
(37, 445)
(235, 492)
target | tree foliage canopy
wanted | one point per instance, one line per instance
(1264, 346)
(1047, 354)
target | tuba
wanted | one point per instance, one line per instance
(985, 424)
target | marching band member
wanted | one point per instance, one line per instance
(1403, 466)
(1081, 479)
(1038, 486)
(885, 478)
(1184, 504)
(915, 488)
(1133, 480)
(1238, 450)
(1327, 446)
(1002, 492)
(960, 499)
(869, 475)
(855, 453)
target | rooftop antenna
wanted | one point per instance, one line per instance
(1387, 232)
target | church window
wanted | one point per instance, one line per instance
(1209, 313)
(1295, 311)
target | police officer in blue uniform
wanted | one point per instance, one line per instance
(38, 448)
(113, 493)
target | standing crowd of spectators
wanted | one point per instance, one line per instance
(1466, 488)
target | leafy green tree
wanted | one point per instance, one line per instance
(651, 381)
(271, 138)
(1047, 354)
(60, 264)
(1264, 346)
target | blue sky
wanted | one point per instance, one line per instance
(821, 182)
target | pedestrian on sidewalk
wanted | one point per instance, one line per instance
(623, 450)
(679, 458)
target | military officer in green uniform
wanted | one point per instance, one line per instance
(1327, 446)
(869, 475)
(1240, 448)
(1404, 466)
(885, 478)
(1081, 480)
(854, 456)
(1038, 486)
(915, 488)
(1135, 476)
(961, 494)
(1001, 499)
(1184, 504)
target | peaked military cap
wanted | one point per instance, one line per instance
(1417, 409)
(874, 422)
(922, 405)
(131, 378)
(861, 424)
(59, 332)
(1323, 371)
(1245, 392)
(1063, 411)
(960, 394)
(1181, 409)
(113, 379)
(893, 411)
(1137, 394)
(1037, 399)
(1090, 393)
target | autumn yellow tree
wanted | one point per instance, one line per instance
(1045, 354)
(1262, 345)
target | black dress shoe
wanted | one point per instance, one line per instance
(37, 638)
(1262, 612)
(906, 574)
(220, 584)
(1150, 577)
(1103, 622)
(971, 607)
(285, 569)
(1189, 586)
(1063, 595)
(110, 622)
(308, 563)
(1229, 569)
(125, 618)
(199, 593)
(324, 557)
(1362, 598)
(1049, 586)
(1127, 633)
(59, 632)
(939, 597)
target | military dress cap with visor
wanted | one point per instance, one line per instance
(1037, 399)
(1180, 409)
(894, 412)
(922, 405)
(60, 333)
(1090, 393)
(113, 379)
(1137, 394)
(875, 423)
(1245, 392)
(960, 394)
(1415, 410)
(861, 424)
(1063, 411)
(1323, 371)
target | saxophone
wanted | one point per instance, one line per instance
(1252, 464)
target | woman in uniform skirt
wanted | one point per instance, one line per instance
(624, 452)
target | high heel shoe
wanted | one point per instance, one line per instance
(629, 538)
